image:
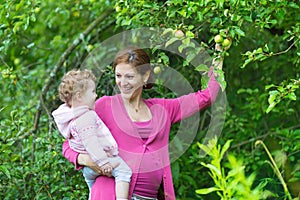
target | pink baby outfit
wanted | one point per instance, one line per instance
(85, 132)
(133, 149)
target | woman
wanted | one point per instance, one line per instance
(141, 128)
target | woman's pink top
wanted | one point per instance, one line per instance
(154, 151)
(148, 183)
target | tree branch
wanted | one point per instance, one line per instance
(58, 66)
(253, 139)
(285, 51)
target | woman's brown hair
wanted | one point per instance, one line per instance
(139, 59)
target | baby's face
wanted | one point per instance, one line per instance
(88, 97)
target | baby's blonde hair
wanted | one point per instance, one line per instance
(72, 82)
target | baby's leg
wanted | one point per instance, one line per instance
(89, 177)
(122, 174)
(122, 189)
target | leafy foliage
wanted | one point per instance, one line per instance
(232, 184)
(260, 77)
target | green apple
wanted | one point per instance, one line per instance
(5, 73)
(157, 70)
(118, 8)
(90, 47)
(17, 61)
(218, 39)
(12, 76)
(76, 13)
(37, 10)
(179, 34)
(226, 42)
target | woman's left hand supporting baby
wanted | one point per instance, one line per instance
(85, 160)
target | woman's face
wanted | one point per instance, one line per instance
(129, 81)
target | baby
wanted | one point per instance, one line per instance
(85, 131)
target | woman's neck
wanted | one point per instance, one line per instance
(137, 109)
(134, 103)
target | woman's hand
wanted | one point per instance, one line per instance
(107, 169)
(85, 160)
(218, 61)
(218, 47)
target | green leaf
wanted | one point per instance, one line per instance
(259, 50)
(293, 5)
(225, 148)
(269, 86)
(2, 108)
(181, 47)
(200, 16)
(186, 41)
(212, 168)
(202, 68)
(182, 13)
(246, 63)
(273, 94)
(271, 106)
(207, 190)
(239, 31)
(190, 56)
(221, 79)
(171, 41)
(165, 58)
(205, 148)
(5, 171)
(167, 31)
(17, 26)
(235, 17)
(292, 96)
(190, 34)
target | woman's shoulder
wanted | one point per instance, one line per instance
(104, 99)
(152, 101)
(104, 102)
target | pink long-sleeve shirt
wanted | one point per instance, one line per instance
(132, 148)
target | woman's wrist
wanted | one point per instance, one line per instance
(81, 160)
(218, 62)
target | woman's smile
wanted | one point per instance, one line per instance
(126, 89)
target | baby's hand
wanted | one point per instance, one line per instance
(106, 169)
(109, 154)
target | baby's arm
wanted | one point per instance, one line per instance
(92, 139)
